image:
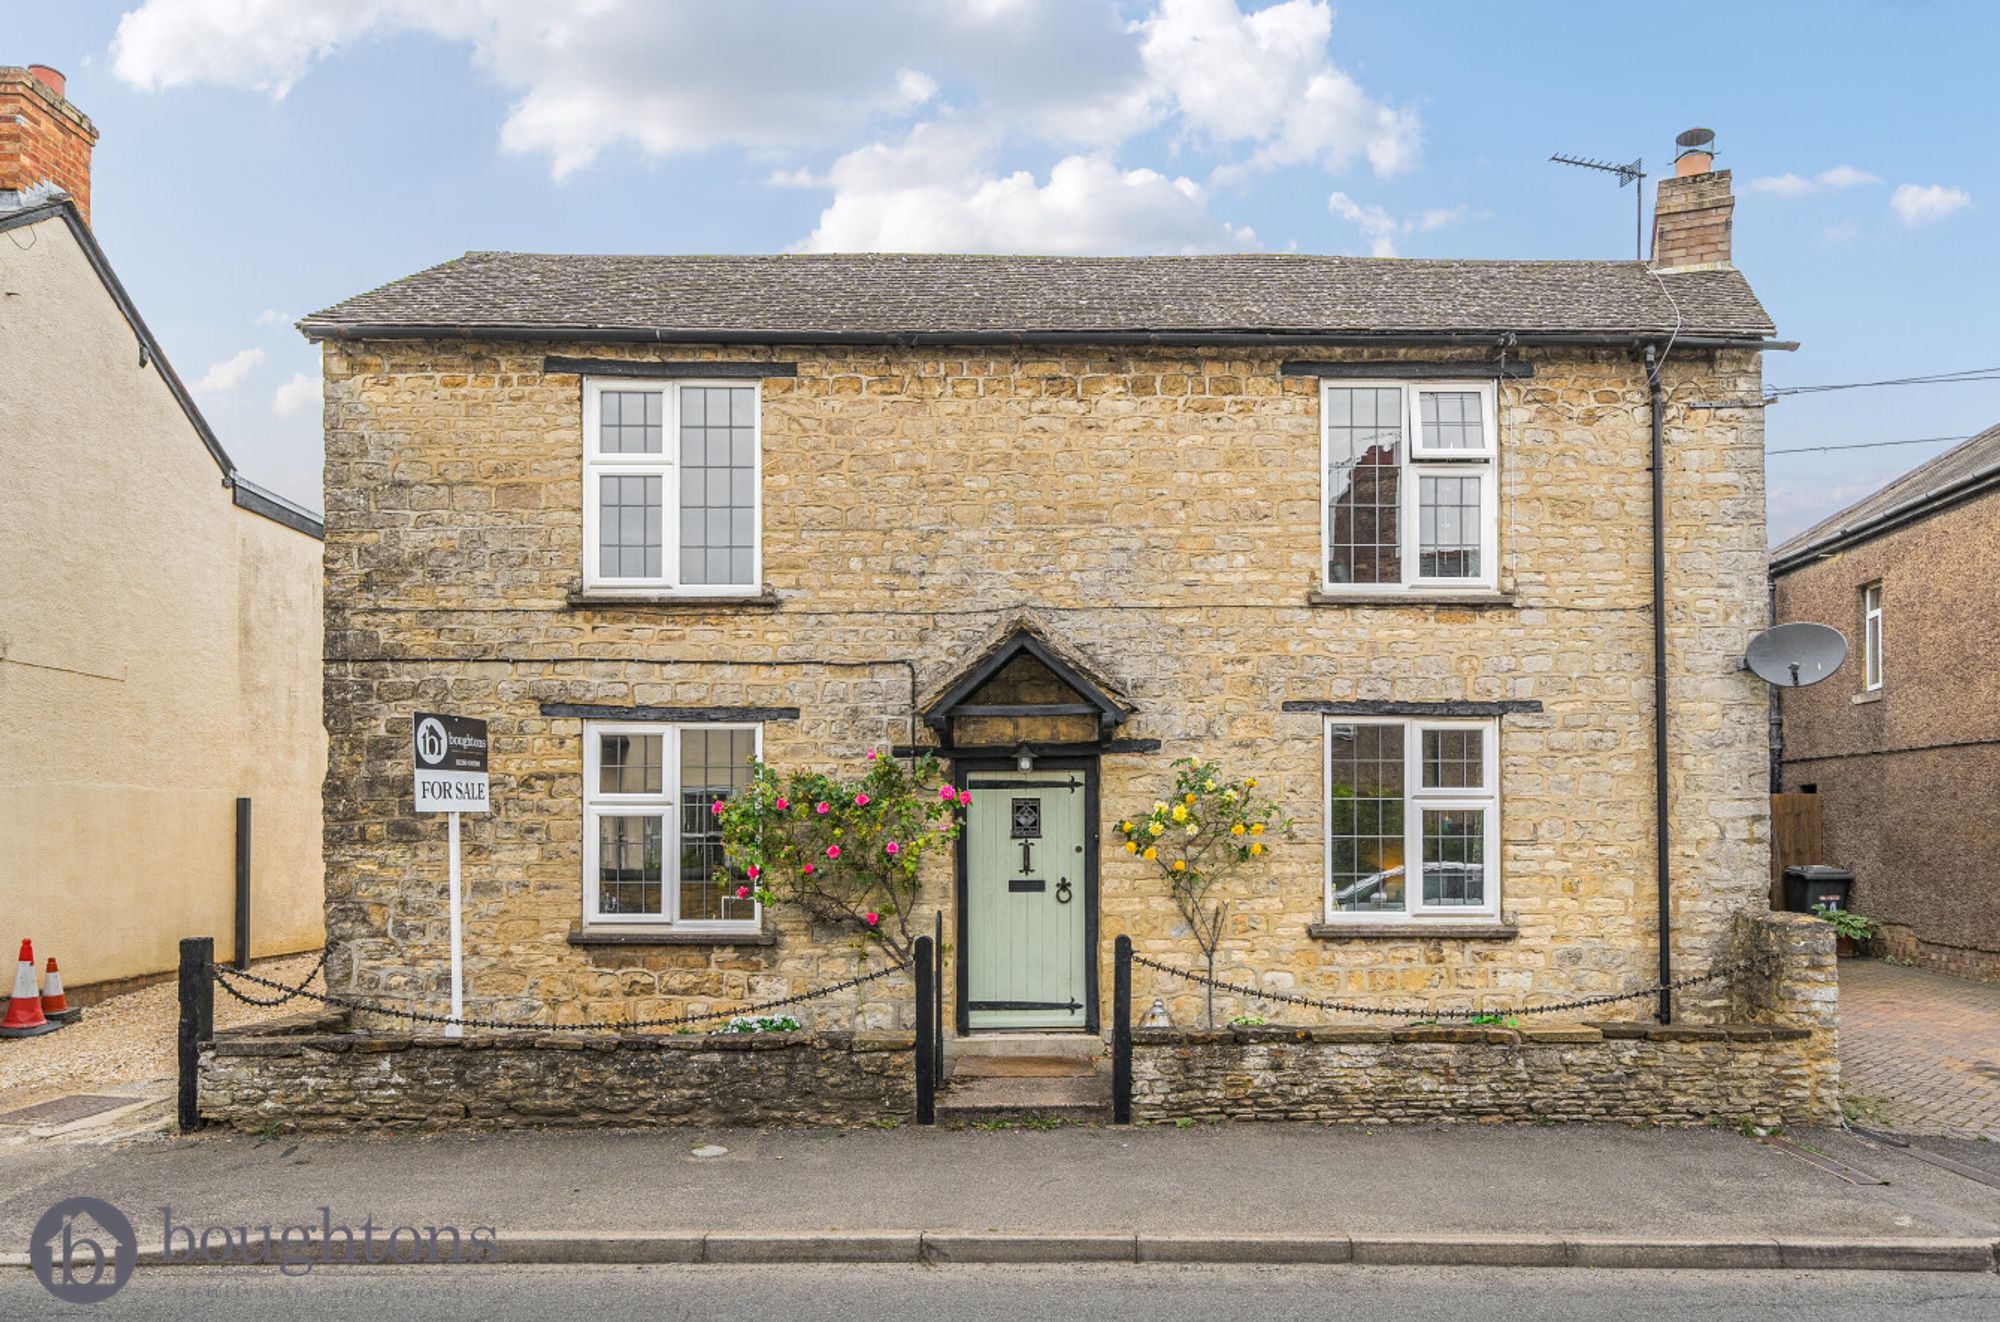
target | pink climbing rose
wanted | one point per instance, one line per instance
(822, 808)
(753, 872)
(807, 868)
(833, 851)
(874, 918)
(782, 805)
(716, 807)
(965, 796)
(861, 800)
(742, 892)
(894, 848)
(871, 755)
(947, 793)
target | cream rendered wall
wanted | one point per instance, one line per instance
(159, 652)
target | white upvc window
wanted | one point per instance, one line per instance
(1409, 483)
(652, 850)
(1412, 819)
(672, 487)
(1871, 637)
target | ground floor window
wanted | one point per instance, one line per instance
(1413, 819)
(651, 847)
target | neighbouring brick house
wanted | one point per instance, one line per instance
(1902, 745)
(1371, 529)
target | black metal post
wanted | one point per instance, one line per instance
(1121, 1032)
(197, 1024)
(937, 1022)
(243, 884)
(926, 961)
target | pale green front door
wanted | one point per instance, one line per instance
(1027, 900)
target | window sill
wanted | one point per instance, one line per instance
(1413, 931)
(656, 936)
(592, 598)
(1475, 598)
(1872, 695)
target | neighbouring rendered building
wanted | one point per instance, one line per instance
(1902, 744)
(1380, 533)
(159, 614)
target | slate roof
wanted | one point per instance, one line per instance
(1968, 466)
(888, 296)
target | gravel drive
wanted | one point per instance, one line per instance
(126, 1043)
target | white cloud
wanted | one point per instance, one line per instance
(1380, 227)
(588, 75)
(936, 192)
(1846, 176)
(1266, 79)
(228, 374)
(1921, 204)
(1795, 185)
(1784, 185)
(273, 317)
(302, 391)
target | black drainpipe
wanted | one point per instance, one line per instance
(1662, 837)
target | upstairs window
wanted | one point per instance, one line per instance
(672, 491)
(1409, 487)
(1871, 637)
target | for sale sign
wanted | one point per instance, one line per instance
(451, 763)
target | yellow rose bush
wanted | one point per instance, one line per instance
(1220, 825)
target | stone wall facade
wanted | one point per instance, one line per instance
(1775, 1061)
(1905, 773)
(326, 1078)
(1157, 512)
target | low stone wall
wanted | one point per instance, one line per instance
(1775, 1060)
(1611, 1071)
(317, 1076)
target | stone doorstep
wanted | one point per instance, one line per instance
(1079, 1098)
(1021, 1067)
(1749, 1252)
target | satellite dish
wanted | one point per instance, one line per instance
(1792, 656)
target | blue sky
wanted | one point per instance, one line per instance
(264, 158)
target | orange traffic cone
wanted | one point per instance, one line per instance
(24, 1011)
(55, 1005)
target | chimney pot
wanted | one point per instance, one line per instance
(1694, 152)
(50, 78)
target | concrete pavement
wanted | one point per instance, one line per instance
(1552, 1196)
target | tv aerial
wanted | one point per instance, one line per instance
(1627, 174)
(1792, 656)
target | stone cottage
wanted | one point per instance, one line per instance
(1387, 531)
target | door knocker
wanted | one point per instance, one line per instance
(1062, 891)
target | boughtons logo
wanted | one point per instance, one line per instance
(431, 742)
(83, 1250)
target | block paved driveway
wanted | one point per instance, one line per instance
(1919, 1051)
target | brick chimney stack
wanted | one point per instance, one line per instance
(1691, 221)
(43, 136)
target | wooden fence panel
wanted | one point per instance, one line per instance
(1795, 838)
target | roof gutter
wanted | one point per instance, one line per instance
(1922, 507)
(318, 330)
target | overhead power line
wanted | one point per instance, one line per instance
(1931, 379)
(1867, 445)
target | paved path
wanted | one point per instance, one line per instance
(1919, 1051)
